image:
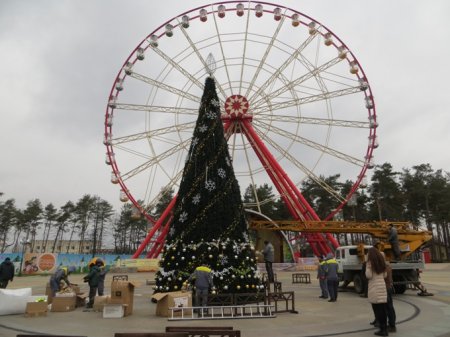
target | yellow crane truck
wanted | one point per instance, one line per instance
(406, 271)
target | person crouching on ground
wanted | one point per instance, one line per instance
(203, 281)
(377, 293)
(93, 279)
(61, 274)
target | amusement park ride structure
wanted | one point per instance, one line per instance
(296, 103)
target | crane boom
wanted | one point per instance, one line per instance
(410, 238)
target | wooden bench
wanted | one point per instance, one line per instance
(39, 335)
(151, 334)
(206, 331)
(301, 278)
(187, 328)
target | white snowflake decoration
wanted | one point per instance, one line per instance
(215, 102)
(227, 160)
(194, 142)
(196, 199)
(246, 238)
(172, 231)
(221, 172)
(211, 114)
(210, 185)
(223, 259)
(183, 216)
(203, 128)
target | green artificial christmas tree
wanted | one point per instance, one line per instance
(209, 226)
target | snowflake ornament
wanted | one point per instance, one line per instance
(171, 231)
(223, 259)
(246, 238)
(211, 114)
(215, 102)
(194, 142)
(210, 185)
(227, 160)
(221, 172)
(203, 128)
(183, 216)
(196, 199)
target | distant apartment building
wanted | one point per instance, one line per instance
(64, 246)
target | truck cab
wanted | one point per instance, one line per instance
(350, 259)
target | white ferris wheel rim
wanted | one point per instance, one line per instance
(276, 103)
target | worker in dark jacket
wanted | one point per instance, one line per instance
(6, 272)
(269, 253)
(322, 277)
(101, 282)
(93, 279)
(203, 281)
(61, 274)
(393, 240)
(103, 270)
(331, 271)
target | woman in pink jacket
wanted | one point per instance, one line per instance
(377, 293)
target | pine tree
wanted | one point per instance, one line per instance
(209, 226)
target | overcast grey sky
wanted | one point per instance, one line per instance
(59, 59)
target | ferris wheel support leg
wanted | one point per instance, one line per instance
(273, 171)
(156, 226)
(281, 188)
(296, 199)
(159, 243)
(162, 238)
(308, 211)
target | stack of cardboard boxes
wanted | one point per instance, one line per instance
(122, 293)
(120, 302)
(66, 301)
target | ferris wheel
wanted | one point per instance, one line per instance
(295, 105)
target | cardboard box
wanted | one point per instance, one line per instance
(34, 309)
(64, 303)
(48, 292)
(76, 288)
(81, 300)
(113, 311)
(173, 299)
(122, 292)
(100, 301)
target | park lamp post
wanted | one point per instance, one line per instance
(24, 244)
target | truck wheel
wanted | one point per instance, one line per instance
(399, 288)
(358, 283)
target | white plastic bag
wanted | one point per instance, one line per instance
(14, 301)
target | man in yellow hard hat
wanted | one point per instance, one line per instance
(203, 281)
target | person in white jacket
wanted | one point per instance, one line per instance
(377, 293)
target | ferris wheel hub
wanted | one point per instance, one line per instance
(236, 107)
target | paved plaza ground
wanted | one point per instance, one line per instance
(349, 316)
